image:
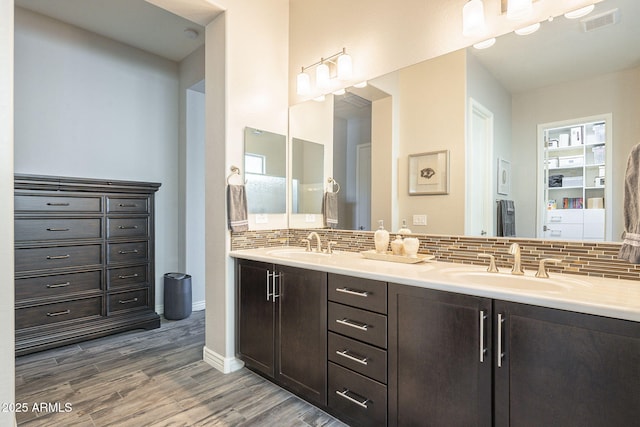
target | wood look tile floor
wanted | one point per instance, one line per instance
(151, 378)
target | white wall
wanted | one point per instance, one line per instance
(7, 314)
(87, 106)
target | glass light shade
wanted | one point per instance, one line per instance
(529, 29)
(579, 13)
(519, 9)
(322, 76)
(485, 44)
(473, 18)
(340, 92)
(345, 67)
(361, 84)
(320, 98)
(303, 84)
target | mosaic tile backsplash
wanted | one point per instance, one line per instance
(585, 258)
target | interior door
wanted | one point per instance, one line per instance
(363, 187)
(479, 197)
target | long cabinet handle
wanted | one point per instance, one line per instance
(127, 301)
(127, 227)
(268, 283)
(353, 292)
(58, 256)
(59, 313)
(128, 205)
(58, 285)
(500, 352)
(135, 251)
(128, 276)
(57, 204)
(57, 229)
(362, 401)
(274, 278)
(352, 324)
(483, 349)
(347, 354)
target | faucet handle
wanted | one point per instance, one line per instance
(492, 263)
(308, 249)
(330, 246)
(542, 271)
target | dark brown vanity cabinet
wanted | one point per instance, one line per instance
(282, 326)
(84, 259)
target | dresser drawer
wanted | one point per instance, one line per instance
(60, 285)
(57, 257)
(127, 277)
(127, 227)
(355, 398)
(362, 358)
(44, 203)
(126, 301)
(357, 292)
(58, 312)
(57, 229)
(359, 324)
(127, 252)
(128, 205)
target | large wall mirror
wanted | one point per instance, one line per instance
(565, 71)
(265, 170)
(307, 176)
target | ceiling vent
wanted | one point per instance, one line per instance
(604, 19)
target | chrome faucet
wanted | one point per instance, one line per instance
(514, 250)
(318, 243)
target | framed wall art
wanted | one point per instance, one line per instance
(429, 173)
(504, 176)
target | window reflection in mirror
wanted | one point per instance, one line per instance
(265, 161)
(307, 164)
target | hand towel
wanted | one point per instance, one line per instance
(330, 209)
(630, 249)
(506, 218)
(237, 208)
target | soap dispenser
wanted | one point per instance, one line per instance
(397, 246)
(404, 229)
(381, 239)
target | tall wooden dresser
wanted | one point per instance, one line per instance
(84, 259)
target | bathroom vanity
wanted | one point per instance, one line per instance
(441, 343)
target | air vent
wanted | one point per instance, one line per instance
(601, 20)
(356, 100)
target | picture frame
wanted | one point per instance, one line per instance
(504, 176)
(429, 173)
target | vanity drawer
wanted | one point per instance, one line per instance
(359, 324)
(60, 285)
(44, 203)
(128, 301)
(127, 277)
(129, 205)
(127, 252)
(127, 227)
(356, 398)
(358, 292)
(27, 259)
(58, 312)
(362, 358)
(57, 229)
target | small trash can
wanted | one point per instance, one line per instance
(177, 296)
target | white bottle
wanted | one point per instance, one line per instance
(411, 246)
(381, 239)
(404, 229)
(397, 246)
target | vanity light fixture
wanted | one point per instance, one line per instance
(519, 9)
(339, 62)
(323, 79)
(579, 13)
(485, 44)
(473, 18)
(529, 29)
(303, 83)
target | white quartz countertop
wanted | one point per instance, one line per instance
(592, 295)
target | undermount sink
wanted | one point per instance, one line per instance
(298, 253)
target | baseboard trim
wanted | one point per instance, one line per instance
(196, 306)
(223, 364)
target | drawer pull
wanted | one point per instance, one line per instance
(128, 276)
(135, 251)
(360, 401)
(58, 257)
(128, 205)
(59, 313)
(346, 354)
(57, 229)
(127, 227)
(353, 292)
(58, 285)
(127, 301)
(352, 324)
(57, 204)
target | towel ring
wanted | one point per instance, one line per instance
(234, 171)
(334, 184)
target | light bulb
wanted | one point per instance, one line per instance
(473, 18)
(345, 67)
(322, 76)
(303, 84)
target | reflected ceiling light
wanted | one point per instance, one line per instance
(519, 9)
(340, 64)
(361, 84)
(190, 33)
(473, 18)
(303, 83)
(579, 13)
(319, 98)
(485, 44)
(340, 92)
(529, 29)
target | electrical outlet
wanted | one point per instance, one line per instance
(262, 219)
(420, 219)
(309, 218)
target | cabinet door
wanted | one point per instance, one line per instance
(302, 332)
(439, 360)
(256, 332)
(566, 369)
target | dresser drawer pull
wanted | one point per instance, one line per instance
(57, 204)
(360, 401)
(58, 285)
(353, 292)
(127, 227)
(135, 251)
(128, 276)
(127, 301)
(128, 205)
(346, 354)
(352, 324)
(57, 229)
(58, 257)
(59, 313)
